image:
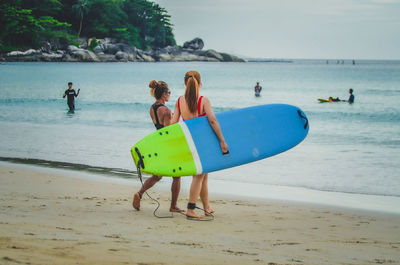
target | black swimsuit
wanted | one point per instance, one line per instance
(71, 95)
(155, 107)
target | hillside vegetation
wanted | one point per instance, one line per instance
(29, 23)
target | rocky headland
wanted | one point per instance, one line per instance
(110, 50)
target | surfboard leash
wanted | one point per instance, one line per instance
(194, 206)
(303, 117)
(172, 214)
(139, 171)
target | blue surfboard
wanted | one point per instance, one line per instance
(191, 147)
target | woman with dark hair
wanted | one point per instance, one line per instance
(190, 106)
(161, 116)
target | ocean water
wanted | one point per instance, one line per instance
(351, 149)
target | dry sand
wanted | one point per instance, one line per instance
(52, 218)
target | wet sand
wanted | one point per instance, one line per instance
(53, 218)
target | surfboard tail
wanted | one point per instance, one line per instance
(169, 151)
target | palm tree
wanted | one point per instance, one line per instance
(81, 8)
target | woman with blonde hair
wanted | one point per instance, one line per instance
(190, 106)
(161, 116)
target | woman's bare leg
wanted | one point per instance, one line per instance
(175, 189)
(195, 189)
(146, 185)
(204, 196)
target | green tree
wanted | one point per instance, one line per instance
(81, 8)
(42, 7)
(103, 17)
(152, 22)
(19, 27)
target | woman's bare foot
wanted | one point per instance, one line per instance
(191, 214)
(176, 210)
(136, 201)
(208, 211)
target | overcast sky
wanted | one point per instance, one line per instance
(337, 29)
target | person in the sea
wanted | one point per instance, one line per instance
(257, 89)
(71, 95)
(161, 116)
(351, 97)
(331, 99)
(190, 106)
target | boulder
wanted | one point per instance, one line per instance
(30, 55)
(98, 49)
(81, 55)
(165, 57)
(69, 58)
(122, 56)
(147, 58)
(83, 43)
(166, 54)
(125, 48)
(58, 44)
(213, 54)
(72, 48)
(195, 44)
(107, 41)
(111, 48)
(52, 57)
(46, 47)
(189, 57)
(106, 57)
(230, 58)
(142, 56)
(172, 50)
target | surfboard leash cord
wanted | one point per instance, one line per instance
(139, 166)
(139, 171)
(194, 206)
(303, 117)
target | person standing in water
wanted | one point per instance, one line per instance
(257, 89)
(71, 95)
(351, 97)
(190, 106)
(161, 117)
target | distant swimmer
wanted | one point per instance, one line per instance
(257, 89)
(351, 97)
(71, 95)
(331, 99)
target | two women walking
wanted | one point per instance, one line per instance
(190, 105)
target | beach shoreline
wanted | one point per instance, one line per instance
(368, 203)
(50, 217)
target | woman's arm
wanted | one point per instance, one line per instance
(215, 125)
(177, 114)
